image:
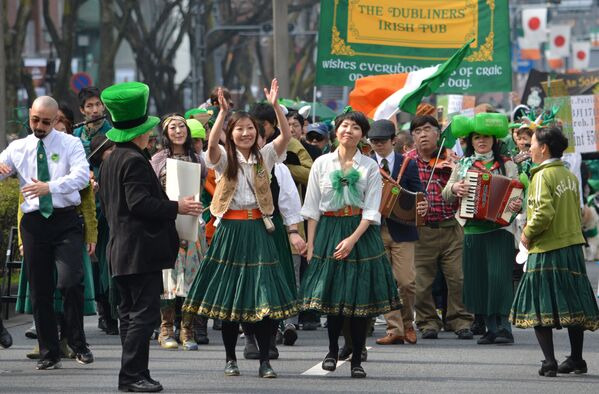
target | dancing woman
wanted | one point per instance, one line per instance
(349, 275)
(554, 291)
(241, 279)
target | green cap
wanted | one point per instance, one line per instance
(200, 114)
(197, 129)
(127, 103)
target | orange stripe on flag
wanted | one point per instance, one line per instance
(371, 91)
(555, 63)
(530, 54)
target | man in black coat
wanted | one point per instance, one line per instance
(143, 239)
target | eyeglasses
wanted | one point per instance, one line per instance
(314, 138)
(379, 140)
(426, 129)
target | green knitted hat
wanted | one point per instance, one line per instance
(197, 129)
(127, 103)
(491, 124)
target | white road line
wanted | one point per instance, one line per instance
(318, 371)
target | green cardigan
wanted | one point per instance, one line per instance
(553, 210)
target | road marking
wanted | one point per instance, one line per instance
(318, 371)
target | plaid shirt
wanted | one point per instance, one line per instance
(438, 209)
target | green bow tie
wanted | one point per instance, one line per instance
(43, 175)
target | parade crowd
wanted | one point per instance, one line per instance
(290, 230)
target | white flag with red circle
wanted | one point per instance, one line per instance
(559, 40)
(581, 52)
(534, 24)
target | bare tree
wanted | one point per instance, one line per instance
(64, 42)
(16, 75)
(109, 42)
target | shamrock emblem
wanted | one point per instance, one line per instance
(54, 157)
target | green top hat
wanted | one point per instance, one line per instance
(127, 103)
(491, 124)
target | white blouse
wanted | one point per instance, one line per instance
(244, 197)
(319, 195)
(289, 199)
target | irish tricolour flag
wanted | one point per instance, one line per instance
(381, 96)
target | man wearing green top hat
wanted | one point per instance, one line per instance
(143, 239)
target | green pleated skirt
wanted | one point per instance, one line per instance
(241, 277)
(487, 263)
(89, 304)
(284, 248)
(362, 285)
(555, 292)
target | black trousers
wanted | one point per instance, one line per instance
(55, 245)
(139, 312)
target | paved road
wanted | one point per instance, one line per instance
(446, 365)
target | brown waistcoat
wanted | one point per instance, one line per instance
(225, 189)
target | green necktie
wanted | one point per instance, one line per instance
(385, 166)
(43, 175)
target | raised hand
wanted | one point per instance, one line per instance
(223, 104)
(272, 95)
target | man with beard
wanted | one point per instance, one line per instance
(51, 168)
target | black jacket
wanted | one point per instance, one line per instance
(141, 218)
(410, 180)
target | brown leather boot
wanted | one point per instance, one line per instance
(166, 339)
(186, 336)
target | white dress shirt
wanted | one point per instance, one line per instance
(390, 160)
(289, 199)
(67, 165)
(319, 195)
(244, 196)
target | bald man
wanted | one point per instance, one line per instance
(51, 168)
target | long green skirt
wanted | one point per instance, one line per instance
(555, 292)
(282, 243)
(241, 278)
(362, 285)
(487, 263)
(89, 305)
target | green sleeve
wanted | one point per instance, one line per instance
(88, 210)
(540, 207)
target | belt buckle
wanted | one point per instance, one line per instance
(250, 214)
(346, 211)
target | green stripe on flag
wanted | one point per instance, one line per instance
(410, 102)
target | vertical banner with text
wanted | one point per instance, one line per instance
(580, 121)
(358, 38)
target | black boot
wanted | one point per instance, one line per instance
(251, 351)
(273, 352)
(5, 337)
(101, 315)
(201, 330)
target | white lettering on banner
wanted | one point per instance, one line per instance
(583, 123)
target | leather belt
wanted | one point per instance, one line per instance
(242, 214)
(345, 211)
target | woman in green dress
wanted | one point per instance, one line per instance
(554, 291)
(489, 248)
(241, 279)
(349, 275)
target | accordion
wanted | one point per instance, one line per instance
(399, 204)
(489, 196)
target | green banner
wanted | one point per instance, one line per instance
(358, 38)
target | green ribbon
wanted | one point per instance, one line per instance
(345, 188)
(465, 163)
(591, 233)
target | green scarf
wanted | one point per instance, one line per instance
(346, 191)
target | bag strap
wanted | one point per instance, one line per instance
(404, 165)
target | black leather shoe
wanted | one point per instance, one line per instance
(231, 369)
(250, 352)
(112, 327)
(85, 356)
(31, 333)
(266, 370)
(329, 363)
(570, 365)
(310, 326)
(345, 352)
(217, 325)
(102, 324)
(487, 339)
(142, 386)
(289, 335)
(548, 369)
(504, 337)
(464, 333)
(201, 330)
(429, 334)
(478, 326)
(5, 337)
(48, 364)
(358, 372)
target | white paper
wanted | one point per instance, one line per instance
(183, 179)
(522, 256)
